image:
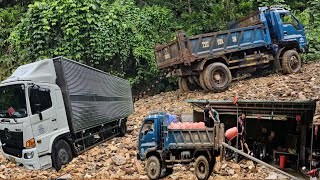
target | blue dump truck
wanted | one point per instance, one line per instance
(271, 37)
(162, 147)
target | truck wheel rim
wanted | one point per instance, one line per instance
(153, 168)
(294, 63)
(202, 168)
(63, 156)
(219, 78)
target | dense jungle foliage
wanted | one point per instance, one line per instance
(118, 36)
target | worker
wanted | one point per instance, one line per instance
(208, 116)
(215, 116)
(242, 134)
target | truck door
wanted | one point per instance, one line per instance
(292, 29)
(43, 119)
(147, 136)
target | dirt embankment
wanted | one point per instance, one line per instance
(117, 157)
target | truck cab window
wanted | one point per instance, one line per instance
(147, 127)
(40, 100)
(13, 101)
(289, 19)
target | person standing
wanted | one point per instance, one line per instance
(208, 116)
(242, 134)
(215, 116)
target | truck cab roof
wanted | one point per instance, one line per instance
(40, 71)
(158, 115)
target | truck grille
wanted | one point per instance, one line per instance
(14, 140)
(12, 151)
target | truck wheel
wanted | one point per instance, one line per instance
(187, 84)
(183, 84)
(61, 154)
(201, 81)
(153, 167)
(196, 80)
(123, 128)
(211, 165)
(217, 77)
(202, 168)
(169, 171)
(291, 62)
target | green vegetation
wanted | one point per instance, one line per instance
(118, 36)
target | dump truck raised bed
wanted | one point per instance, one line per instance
(271, 37)
(55, 109)
(162, 147)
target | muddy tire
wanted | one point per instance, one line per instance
(202, 83)
(217, 77)
(291, 62)
(153, 167)
(191, 80)
(202, 168)
(61, 154)
(169, 171)
(123, 128)
(183, 84)
(187, 84)
(196, 79)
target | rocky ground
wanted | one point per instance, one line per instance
(117, 157)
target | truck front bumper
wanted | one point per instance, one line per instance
(34, 162)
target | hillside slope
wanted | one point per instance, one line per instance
(117, 157)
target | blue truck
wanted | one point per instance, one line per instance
(271, 37)
(162, 147)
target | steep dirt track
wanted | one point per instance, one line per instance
(117, 157)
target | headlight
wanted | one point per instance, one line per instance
(28, 155)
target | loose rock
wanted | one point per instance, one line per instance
(119, 160)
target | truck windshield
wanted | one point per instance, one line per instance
(13, 101)
(289, 19)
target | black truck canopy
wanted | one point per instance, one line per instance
(271, 109)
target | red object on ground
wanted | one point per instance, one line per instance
(231, 133)
(282, 162)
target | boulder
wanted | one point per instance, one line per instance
(119, 160)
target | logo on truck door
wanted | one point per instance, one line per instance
(41, 129)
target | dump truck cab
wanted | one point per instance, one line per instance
(149, 135)
(32, 115)
(286, 28)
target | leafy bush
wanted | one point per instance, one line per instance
(117, 37)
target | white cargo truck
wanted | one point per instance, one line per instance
(54, 109)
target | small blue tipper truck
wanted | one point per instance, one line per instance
(271, 37)
(162, 147)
